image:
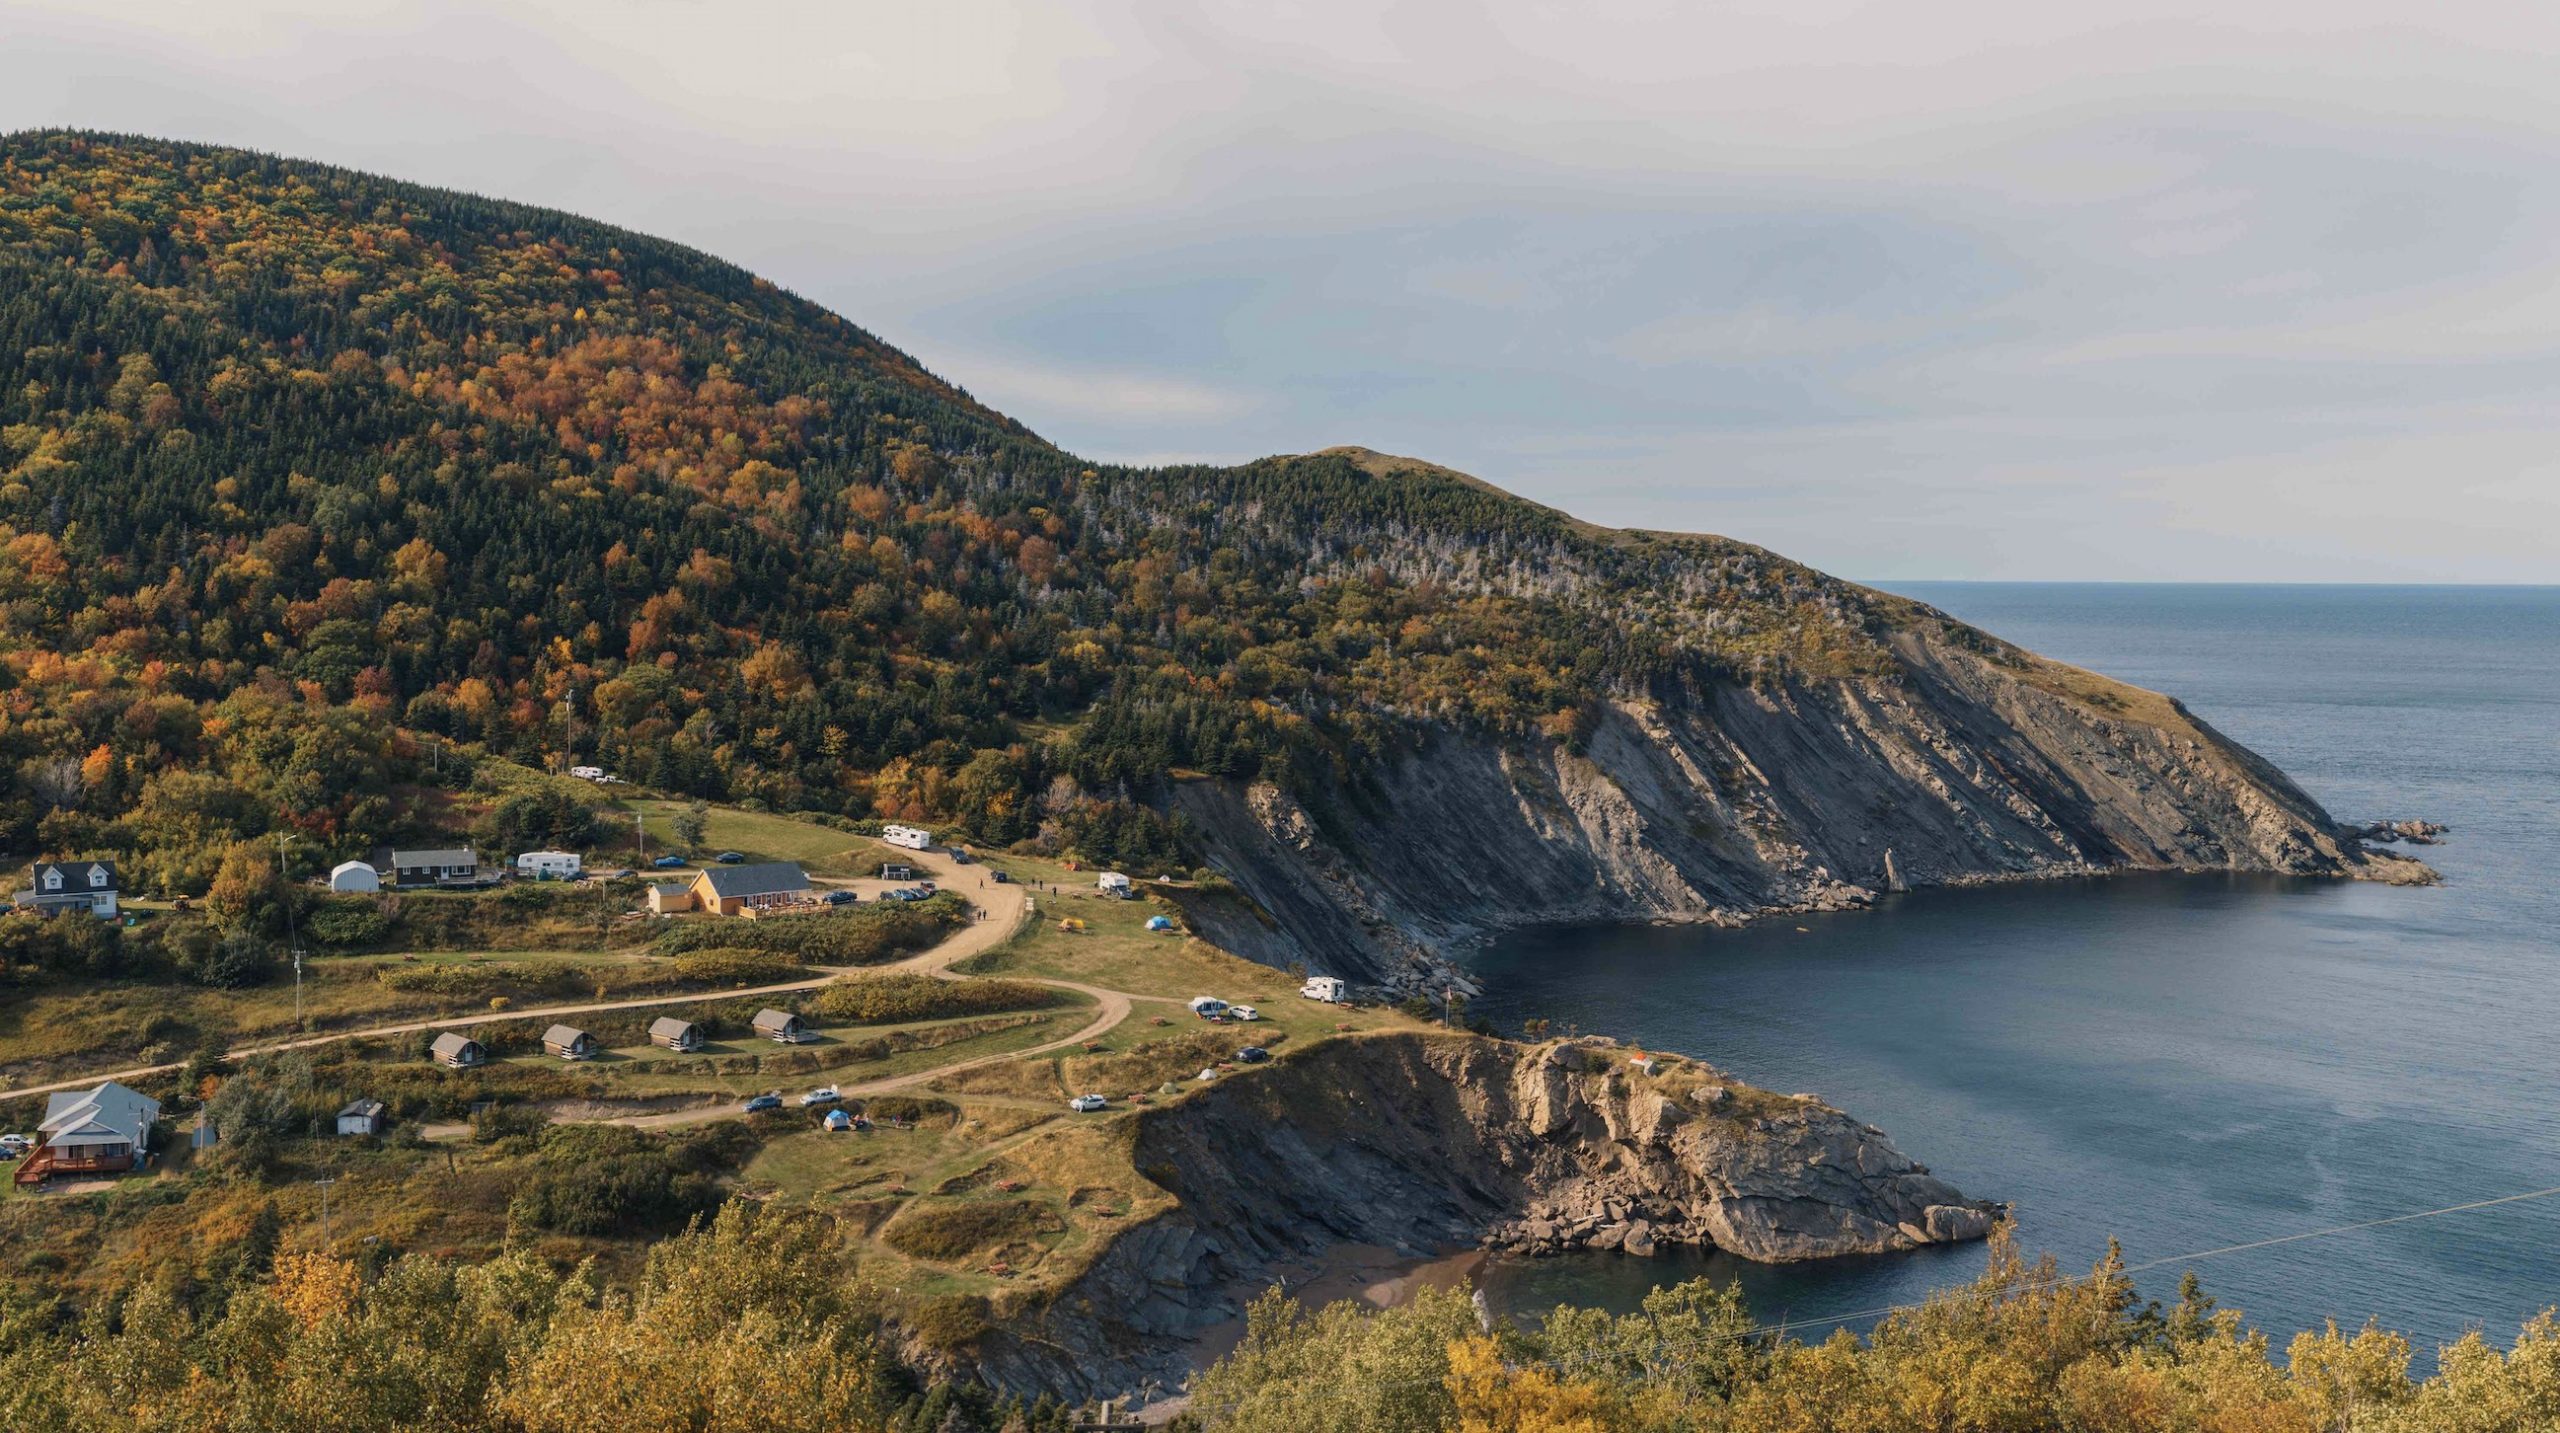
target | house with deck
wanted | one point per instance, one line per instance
(86, 887)
(91, 1132)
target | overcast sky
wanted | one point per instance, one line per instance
(1970, 288)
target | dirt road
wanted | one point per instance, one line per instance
(999, 908)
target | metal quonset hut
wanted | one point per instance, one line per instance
(354, 876)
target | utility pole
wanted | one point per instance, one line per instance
(324, 1208)
(291, 935)
(640, 819)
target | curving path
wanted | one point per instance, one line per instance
(1003, 908)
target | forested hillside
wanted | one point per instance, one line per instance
(299, 465)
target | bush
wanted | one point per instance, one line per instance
(952, 1231)
(347, 924)
(861, 935)
(735, 965)
(597, 1180)
(888, 999)
(501, 1122)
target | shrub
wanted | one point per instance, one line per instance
(499, 1122)
(347, 924)
(951, 1231)
(888, 999)
(604, 1179)
(737, 965)
(861, 935)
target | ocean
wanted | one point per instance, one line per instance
(2183, 1063)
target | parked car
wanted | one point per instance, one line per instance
(1253, 1054)
(18, 1142)
(1000, 878)
(926, 888)
(1087, 1104)
(1244, 1012)
(822, 1095)
(730, 858)
(839, 898)
(667, 863)
(761, 1103)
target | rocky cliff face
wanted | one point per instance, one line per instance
(1716, 800)
(1427, 1143)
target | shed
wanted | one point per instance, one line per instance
(363, 1117)
(669, 897)
(667, 1032)
(458, 1050)
(569, 1043)
(354, 876)
(782, 1026)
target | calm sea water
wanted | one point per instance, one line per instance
(2182, 1062)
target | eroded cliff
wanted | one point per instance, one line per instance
(1717, 799)
(1427, 1143)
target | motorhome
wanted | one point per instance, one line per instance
(1327, 988)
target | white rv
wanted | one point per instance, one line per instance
(1112, 883)
(548, 866)
(587, 773)
(913, 838)
(1327, 988)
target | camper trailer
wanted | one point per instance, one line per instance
(1327, 988)
(1112, 883)
(913, 838)
(548, 866)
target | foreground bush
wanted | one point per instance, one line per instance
(890, 999)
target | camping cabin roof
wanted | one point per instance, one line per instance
(766, 878)
(563, 1035)
(668, 1025)
(452, 1043)
(771, 1019)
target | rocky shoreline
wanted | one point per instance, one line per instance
(1428, 1144)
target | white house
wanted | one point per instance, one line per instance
(1327, 988)
(354, 876)
(548, 866)
(60, 886)
(1112, 883)
(102, 1131)
(362, 1117)
(913, 838)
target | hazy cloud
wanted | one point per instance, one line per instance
(2134, 288)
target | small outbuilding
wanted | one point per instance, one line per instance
(569, 1043)
(354, 876)
(782, 1027)
(458, 1051)
(667, 898)
(363, 1117)
(669, 1033)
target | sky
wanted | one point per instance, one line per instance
(1996, 289)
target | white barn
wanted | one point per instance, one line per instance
(354, 876)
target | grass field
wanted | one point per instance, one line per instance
(760, 836)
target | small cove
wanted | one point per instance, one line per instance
(2181, 1062)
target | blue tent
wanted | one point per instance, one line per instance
(838, 1119)
(1159, 922)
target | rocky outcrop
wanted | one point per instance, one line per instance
(1429, 1143)
(2416, 833)
(1717, 800)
